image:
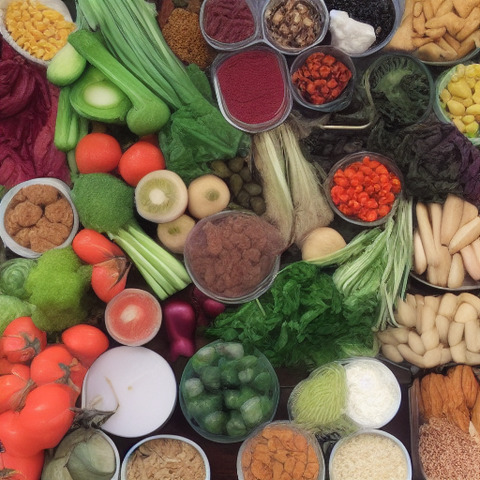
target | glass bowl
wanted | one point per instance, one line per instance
(285, 431)
(180, 448)
(360, 212)
(343, 99)
(226, 391)
(233, 256)
(367, 454)
(39, 199)
(440, 105)
(236, 15)
(252, 88)
(273, 15)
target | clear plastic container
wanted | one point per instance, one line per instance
(320, 18)
(9, 242)
(289, 449)
(357, 157)
(243, 96)
(345, 97)
(176, 438)
(227, 391)
(366, 462)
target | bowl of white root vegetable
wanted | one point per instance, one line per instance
(446, 241)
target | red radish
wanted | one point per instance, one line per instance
(85, 342)
(109, 278)
(180, 322)
(133, 317)
(93, 247)
(207, 308)
(22, 340)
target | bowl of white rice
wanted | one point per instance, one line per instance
(370, 454)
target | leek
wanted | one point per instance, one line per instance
(375, 265)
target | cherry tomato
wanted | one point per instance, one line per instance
(85, 342)
(22, 340)
(110, 277)
(21, 468)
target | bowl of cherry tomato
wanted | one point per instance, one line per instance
(364, 187)
(322, 78)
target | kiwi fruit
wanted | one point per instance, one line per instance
(207, 194)
(174, 234)
(161, 196)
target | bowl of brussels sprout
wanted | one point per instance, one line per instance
(227, 390)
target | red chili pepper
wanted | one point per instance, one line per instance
(365, 189)
(322, 78)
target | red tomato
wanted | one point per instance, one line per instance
(85, 342)
(57, 364)
(93, 247)
(22, 340)
(110, 278)
(21, 468)
(13, 389)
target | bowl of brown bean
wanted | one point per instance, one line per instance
(233, 256)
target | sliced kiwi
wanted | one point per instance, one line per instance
(173, 234)
(161, 196)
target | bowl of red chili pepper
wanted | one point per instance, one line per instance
(323, 79)
(363, 188)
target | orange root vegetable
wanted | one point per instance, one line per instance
(93, 247)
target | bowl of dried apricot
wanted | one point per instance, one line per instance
(280, 447)
(36, 216)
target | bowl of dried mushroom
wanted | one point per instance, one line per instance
(168, 457)
(37, 215)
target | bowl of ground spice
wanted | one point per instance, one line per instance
(233, 256)
(165, 457)
(291, 26)
(252, 88)
(37, 215)
(229, 24)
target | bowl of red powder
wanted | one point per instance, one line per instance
(323, 79)
(229, 24)
(252, 88)
(233, 256)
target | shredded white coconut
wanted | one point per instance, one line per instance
(369, 456)
(373, 394)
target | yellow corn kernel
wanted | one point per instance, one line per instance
(466, 119)
(459, 124)
(471, 128)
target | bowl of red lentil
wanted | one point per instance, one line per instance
(363, 188)
(233, 256)
(322, 78)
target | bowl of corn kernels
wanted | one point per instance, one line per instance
(458, 99)
(35, 29)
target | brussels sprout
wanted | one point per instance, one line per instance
(263, 382)
(192, 387)
(248, 361)
(267, 405)
(210, 377)
(234, 399)
(229, 373)
(235, 426)
(252, 412)
(215, 422)
(231, 350)
(204, 357)
(201, 405)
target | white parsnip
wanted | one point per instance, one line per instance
(419, 257)
(435, 215)
(433, 301)
(415, 343)
(459, 352)
(465, 312)
(426, 234)
(464, 236)
(471, 337)
(470, 298)
(456, 276)
(442, 324)
(455, 333)
(405, 314)
(426, 320)
(451, 216)
(448, 305)
(386, 337)
(430, 338)
(443, 269)
(432, 357)
(471, 262)
(472, 358)
(410, 298)
(392, 353)
(446, 356)
(470, 211)
(410, 356)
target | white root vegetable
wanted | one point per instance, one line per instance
(392, 353)
(405, 314)
(435, 214)
(433, 301)
(471, 262)
(456, 276)
(464, 235)
(387, 338)
(459, 352)
(415, 343)
(448, 305)
(446, 356)
(410, 298)
(465, 312)
(476, 248)
(455, 333)
(472, 358)
(471, 337)
(419, 257)
(419, 299)
(433, 357)
(442, 324)
(320, 242)
(470, 211)
(451, 216)
(430, 338)
(426, 320)
(443, 269)
(400, 334)
(426, 234)
(410, 356)
(470, 298)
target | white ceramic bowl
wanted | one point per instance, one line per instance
(9, 242)
(123, 472)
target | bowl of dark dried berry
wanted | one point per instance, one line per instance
(362, 28)
(291, 26)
